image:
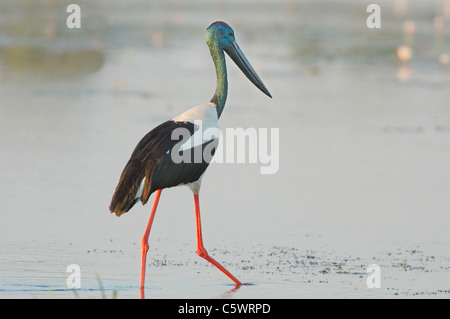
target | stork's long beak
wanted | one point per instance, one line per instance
(239, 58)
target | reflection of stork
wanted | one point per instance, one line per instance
(151, 167)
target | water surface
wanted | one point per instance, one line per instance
(364, 151)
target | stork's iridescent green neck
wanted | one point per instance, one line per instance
(220, 38)
(220, 96)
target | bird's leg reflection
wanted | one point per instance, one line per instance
(230, 292)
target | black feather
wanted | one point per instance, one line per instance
(152, 159)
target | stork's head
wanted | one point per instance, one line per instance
(220, 35)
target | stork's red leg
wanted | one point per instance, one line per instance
(201, 251)
(144, 242)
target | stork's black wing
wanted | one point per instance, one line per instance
(152, 159)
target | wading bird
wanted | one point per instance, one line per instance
(152, 167)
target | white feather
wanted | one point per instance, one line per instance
(204, 115)
(140, 189)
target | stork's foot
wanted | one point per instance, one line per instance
(201, 251)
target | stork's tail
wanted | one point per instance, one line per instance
(129, 189)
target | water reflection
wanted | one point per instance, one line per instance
(34, 38)
(51, 64)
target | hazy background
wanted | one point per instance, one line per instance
(364, 119)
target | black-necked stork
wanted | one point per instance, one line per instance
(152, 168)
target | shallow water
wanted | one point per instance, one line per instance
(364, 151)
